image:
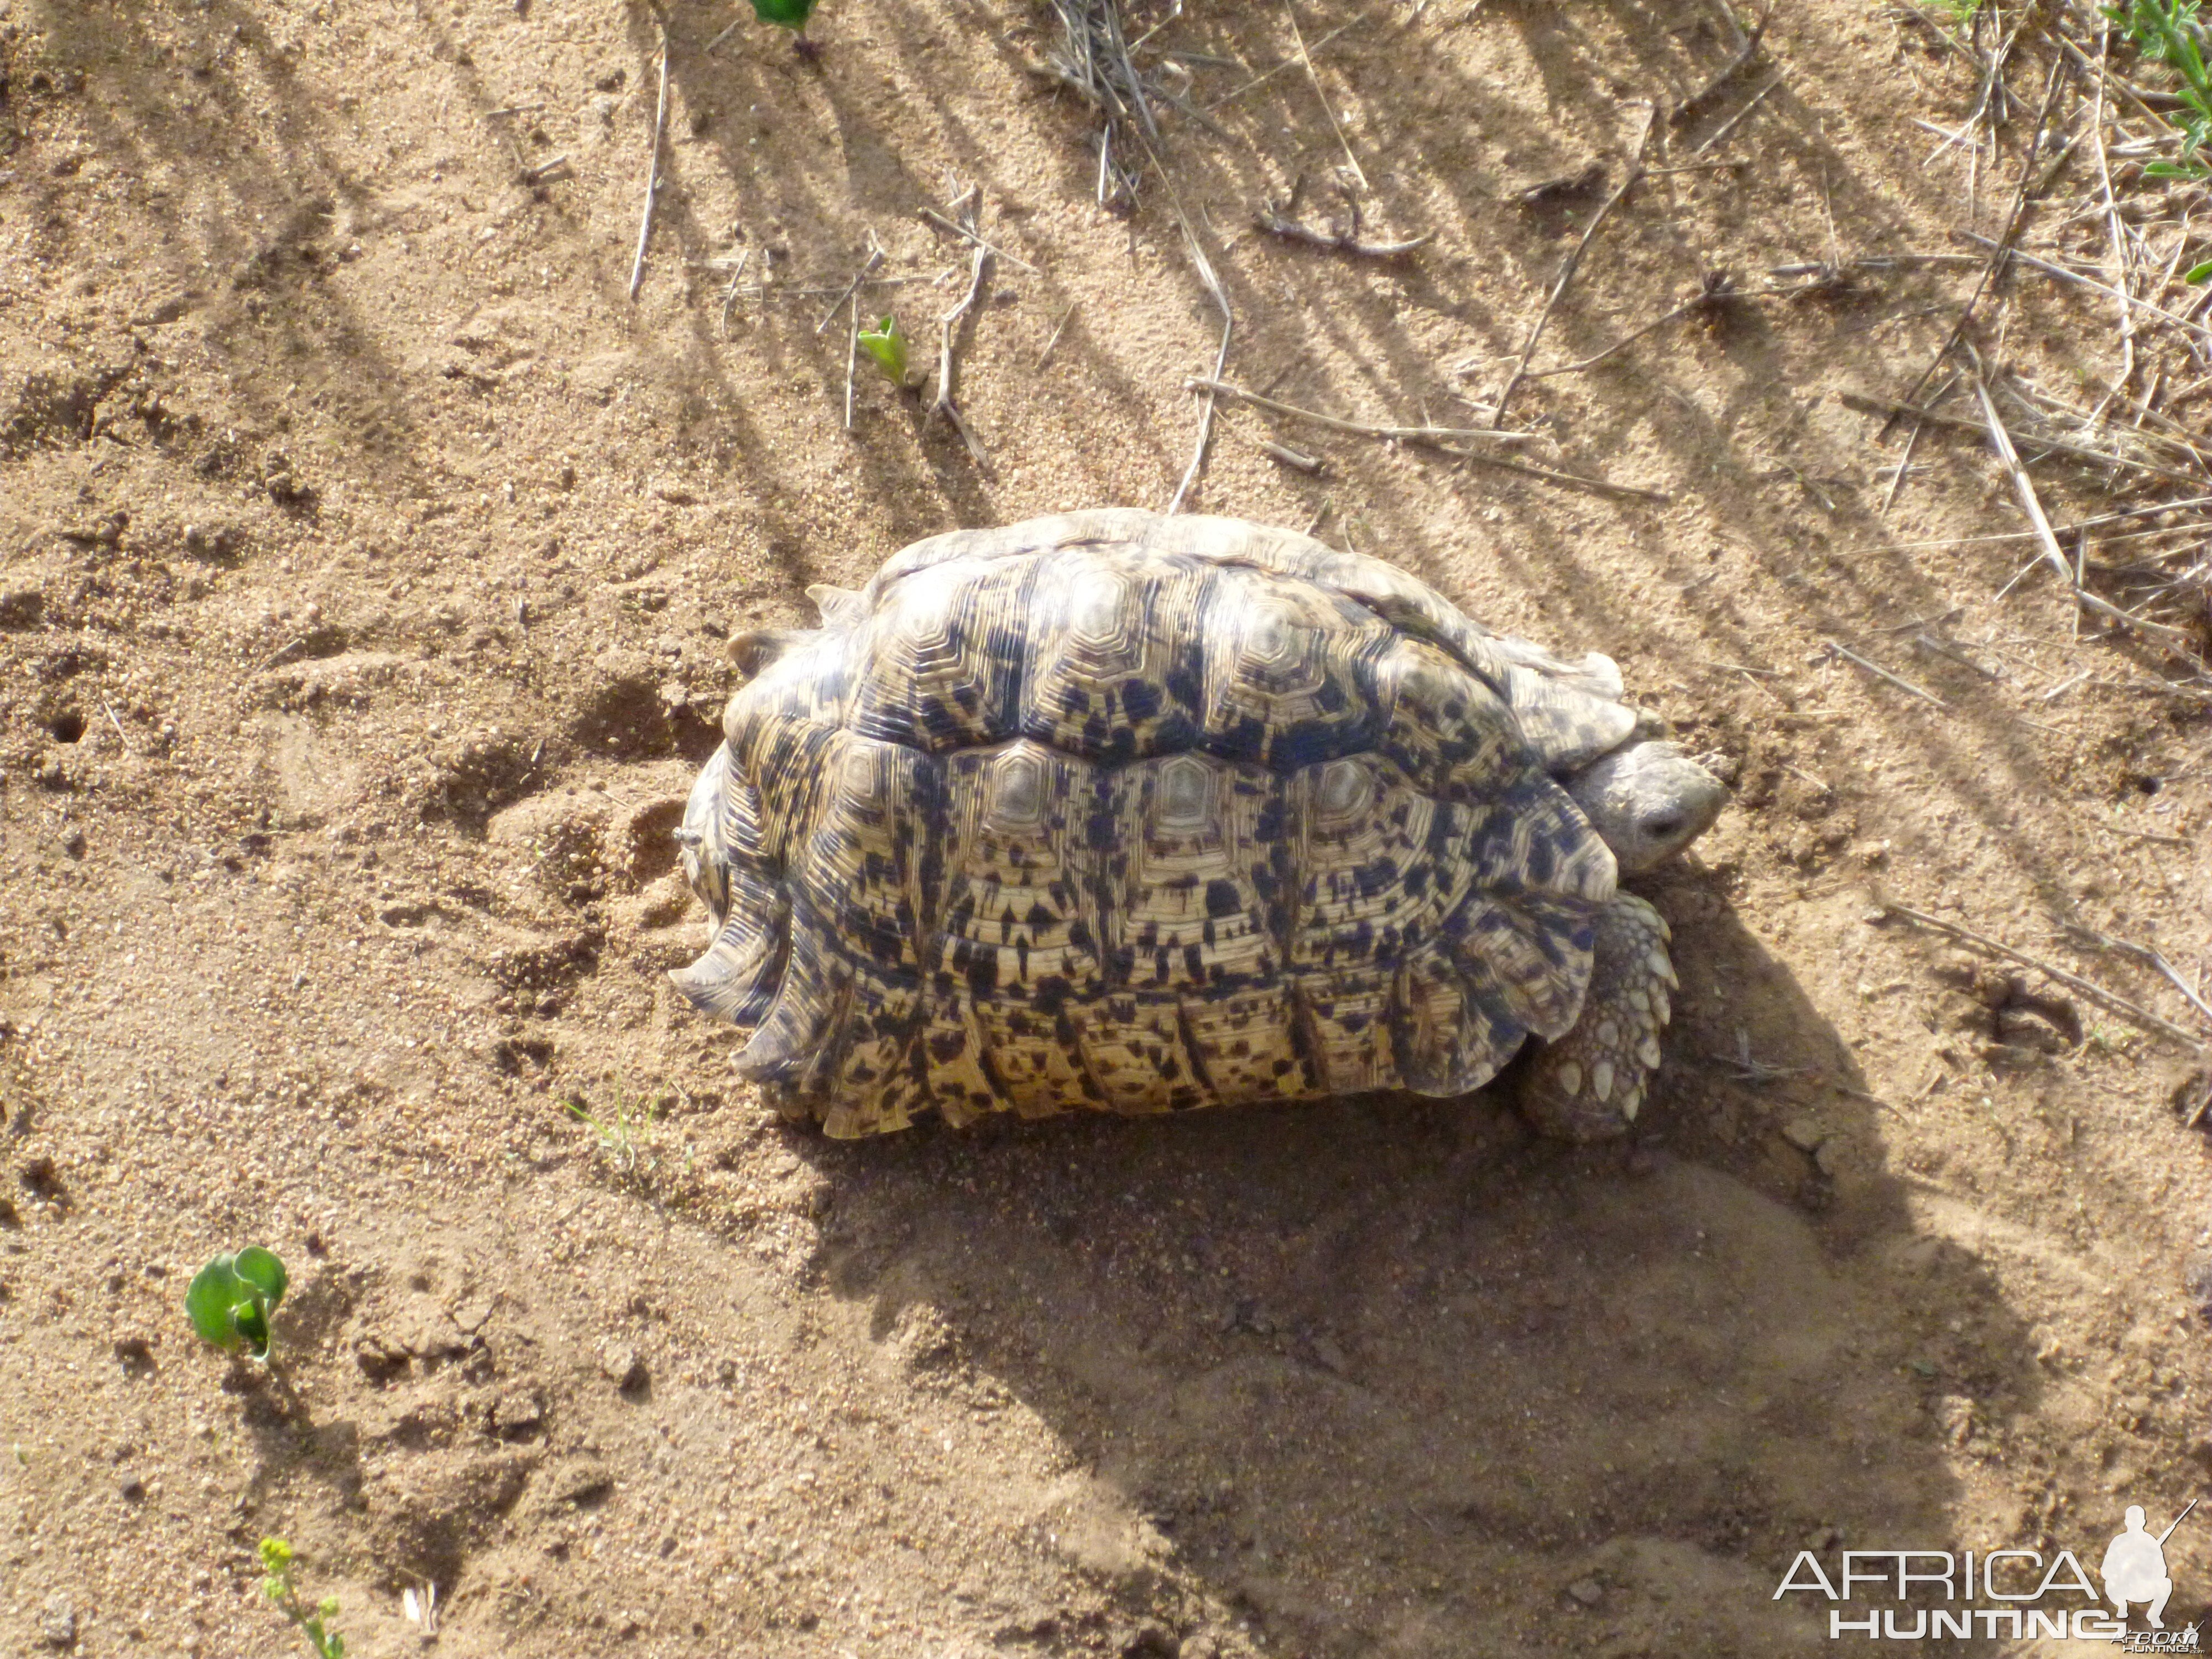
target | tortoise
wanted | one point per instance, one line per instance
(1147, 813)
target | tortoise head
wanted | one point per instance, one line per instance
(1647, 801)
(698, 839)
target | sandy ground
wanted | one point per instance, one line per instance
(366, 559)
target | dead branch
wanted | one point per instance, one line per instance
(1291, 230)
(2014, 222)
(1696, 104)
(2097, 994)
(1567, 266)
(948, 367)
(2024, 487)
(652, 175)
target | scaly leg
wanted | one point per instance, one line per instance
(1588, 1084)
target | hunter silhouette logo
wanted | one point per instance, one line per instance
(2135, 1567)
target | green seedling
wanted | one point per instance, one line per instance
(618, 1138)
(2170, 32)
(231, 1299)
(313, 1623)
(886, 346)
(791, 14)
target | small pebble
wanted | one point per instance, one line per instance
(1804, 1133)
(623, 1367)
(57, 1621)
(1588, 1591)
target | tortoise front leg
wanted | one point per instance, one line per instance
(1588, 1084)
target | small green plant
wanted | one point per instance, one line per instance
(791, 14)
(620, 1138)
(313, 1623)
(231, 1298)
(886, 346)
(2169, 32)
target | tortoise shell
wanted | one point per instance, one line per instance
(1143, 813)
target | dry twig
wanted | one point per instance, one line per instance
(1696, 104)
(2097, 994)
(651, 173)
(947, 382)
(1881, 673)
(850, 293)
(963, 231)
(2024, 487)
(1433, 437)
(1305, 58)
(2013, 223)
(1292, 230)
(1567, 266)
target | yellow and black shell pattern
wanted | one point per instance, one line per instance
(1143, 813)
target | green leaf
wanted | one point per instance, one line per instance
(229, 1300)
(261, 1269)
(886, 346)
(2202, 274)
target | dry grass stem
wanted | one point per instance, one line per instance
(2111, 1000)
(1699, 101)
(651, 173)
(1881, 673)
(730, 293)
(2021, 257)
(1567, 267)
(2024, 487)
(1433, 436)
(934, 218)
(1895, 409)
(2014, 222)
(1305, 59)
(849, 295)
(1720, 132)
(1058, 329)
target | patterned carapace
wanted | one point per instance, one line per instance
(1143, 813)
